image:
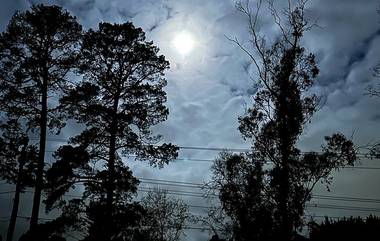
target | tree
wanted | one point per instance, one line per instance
(270, 199)
(165, 217)
(18, 160)
(118, 101)
(240, 182)
(51, 230)
(346, 229)
(37, 51)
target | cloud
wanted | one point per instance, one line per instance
(8, 8)
(208, 89)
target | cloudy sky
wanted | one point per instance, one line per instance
(208, 87)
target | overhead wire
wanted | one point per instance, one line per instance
(190, 185)
(363, 155)
(206, 148)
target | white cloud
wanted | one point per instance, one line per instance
(207, 89)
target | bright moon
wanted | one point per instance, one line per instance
(184, 43)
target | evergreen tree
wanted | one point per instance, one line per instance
(119, 100)
(37, 51)
(267, 202)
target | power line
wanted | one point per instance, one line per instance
(165, 182)
(200, 186)
(324, 216)
(342, 207)
(269, 162)
(363, 167)
(321, 197)
(314, 205)
(170, 181)
(28, 217)
(7, 218)
(6, 192)
(213, 148)
(174, 193)
(307, 215)
(171, 184)
(203, 148)
(222, 149)
(342, 198)
(182, 192)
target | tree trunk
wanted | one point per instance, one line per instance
(285, 224)
(12, 222)
(16, 200)
(41, 156)
(286, 145)
(111, 166)
(111, 171)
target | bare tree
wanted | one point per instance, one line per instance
(166, 216)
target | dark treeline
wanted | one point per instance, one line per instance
(111, 81)
(346, 229)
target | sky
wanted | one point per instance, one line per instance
(209, 87)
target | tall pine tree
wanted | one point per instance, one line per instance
(37, 51)
(120, 99)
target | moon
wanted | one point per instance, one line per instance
(183, 43)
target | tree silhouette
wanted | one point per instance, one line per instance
(37, 51)
(267, 202)
(51, 230)
(165, 216)
(346, 229)
(119, 100)
(240, 183)
(18, 161)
